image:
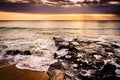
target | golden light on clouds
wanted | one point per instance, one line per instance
(28, 16)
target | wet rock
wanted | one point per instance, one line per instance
(98, 57)
(85, 78)
(108, 70)
(115, 45)
(111, 78)
(103, 44)
(55, 55)
(98, 64)
(3, 47)
(87, 41)
(27, 52)
(56, 75)
(62, 45)
(109, 50)
(74, 43)
(13, 52)
(56, 39)
(57, 65)
(85, 59)
(117, 55)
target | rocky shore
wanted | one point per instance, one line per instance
(80, 59)
(88, 59)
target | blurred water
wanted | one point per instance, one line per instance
(82, 28)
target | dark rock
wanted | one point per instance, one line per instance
(109, 50)
(26, 53)
(60, 43)
(111, 78)
(80, 77)
(85, 59)
(86, 66)
(55, 55)
(115, 45)
(98, 64)
(57, 65)
(13, 52)
(117, 55)
(108, 69)
(56, 39)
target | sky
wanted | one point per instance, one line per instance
(59, 10)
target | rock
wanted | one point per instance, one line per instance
(117, 55)
(108, 69)
(85, 78)
(75, 66)
(109, 50)
(55, 55)
(56, 75)
(3, 47)
(13, 52)
(98, 57)
(74, 43)
(62, 45)
(57, 65)
(98, 64)
(104, 44)
(87, 59)
(68, 56)
(117, 72)
(115, 45)
(56, 39)
(27, 52)
(61, 53)
(111, 78)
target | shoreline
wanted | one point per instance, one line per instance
(77, 59)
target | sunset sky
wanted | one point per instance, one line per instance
(58, 10)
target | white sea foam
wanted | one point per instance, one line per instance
(33, 62)
(42, 53)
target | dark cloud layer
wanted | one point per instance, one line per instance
(53, 7)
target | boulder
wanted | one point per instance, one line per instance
(108, 70)
(13, 52)
(27, 52)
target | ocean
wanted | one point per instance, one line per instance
(37, 37)
(80, 28)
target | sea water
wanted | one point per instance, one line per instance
(37, 37)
